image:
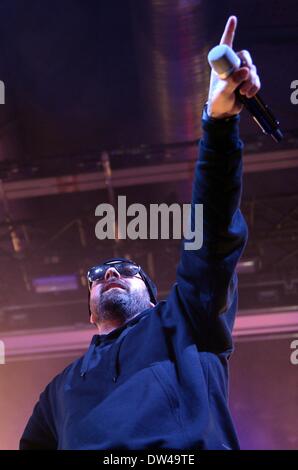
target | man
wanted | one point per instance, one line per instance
(155, 375)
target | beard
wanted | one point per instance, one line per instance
(119, 305)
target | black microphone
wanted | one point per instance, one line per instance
(224, 61)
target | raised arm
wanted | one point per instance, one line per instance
(206, 287)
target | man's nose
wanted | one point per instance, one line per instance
(110, 273)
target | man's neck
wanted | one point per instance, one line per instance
(107, 326)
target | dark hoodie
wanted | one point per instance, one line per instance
(161, 380)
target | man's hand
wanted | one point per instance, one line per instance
(222, 101)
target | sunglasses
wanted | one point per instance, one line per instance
(97, 273)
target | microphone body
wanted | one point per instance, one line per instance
(224, 61)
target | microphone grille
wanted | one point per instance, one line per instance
(223, 60)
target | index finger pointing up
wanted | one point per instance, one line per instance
(229, 32)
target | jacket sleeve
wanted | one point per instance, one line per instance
(40, 430)
(206, 287)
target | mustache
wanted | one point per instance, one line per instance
(114, 283)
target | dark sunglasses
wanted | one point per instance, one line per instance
(97, 273)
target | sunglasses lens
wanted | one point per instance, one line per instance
(125, 269)
(97, 273)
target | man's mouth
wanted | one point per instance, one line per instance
(113, 285)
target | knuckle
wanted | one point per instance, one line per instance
(249, 82)
(253, 90)
(253, 77)
(246, 56)
(243, 52)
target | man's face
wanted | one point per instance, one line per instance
(118, 298)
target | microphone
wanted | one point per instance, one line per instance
(224, 61)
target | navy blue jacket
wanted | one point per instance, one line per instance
(161, 380)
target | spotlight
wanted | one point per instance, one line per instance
(247, 266)
(48, 284)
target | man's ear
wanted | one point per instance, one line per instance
(92, 319)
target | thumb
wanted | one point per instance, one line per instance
(229, 32)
